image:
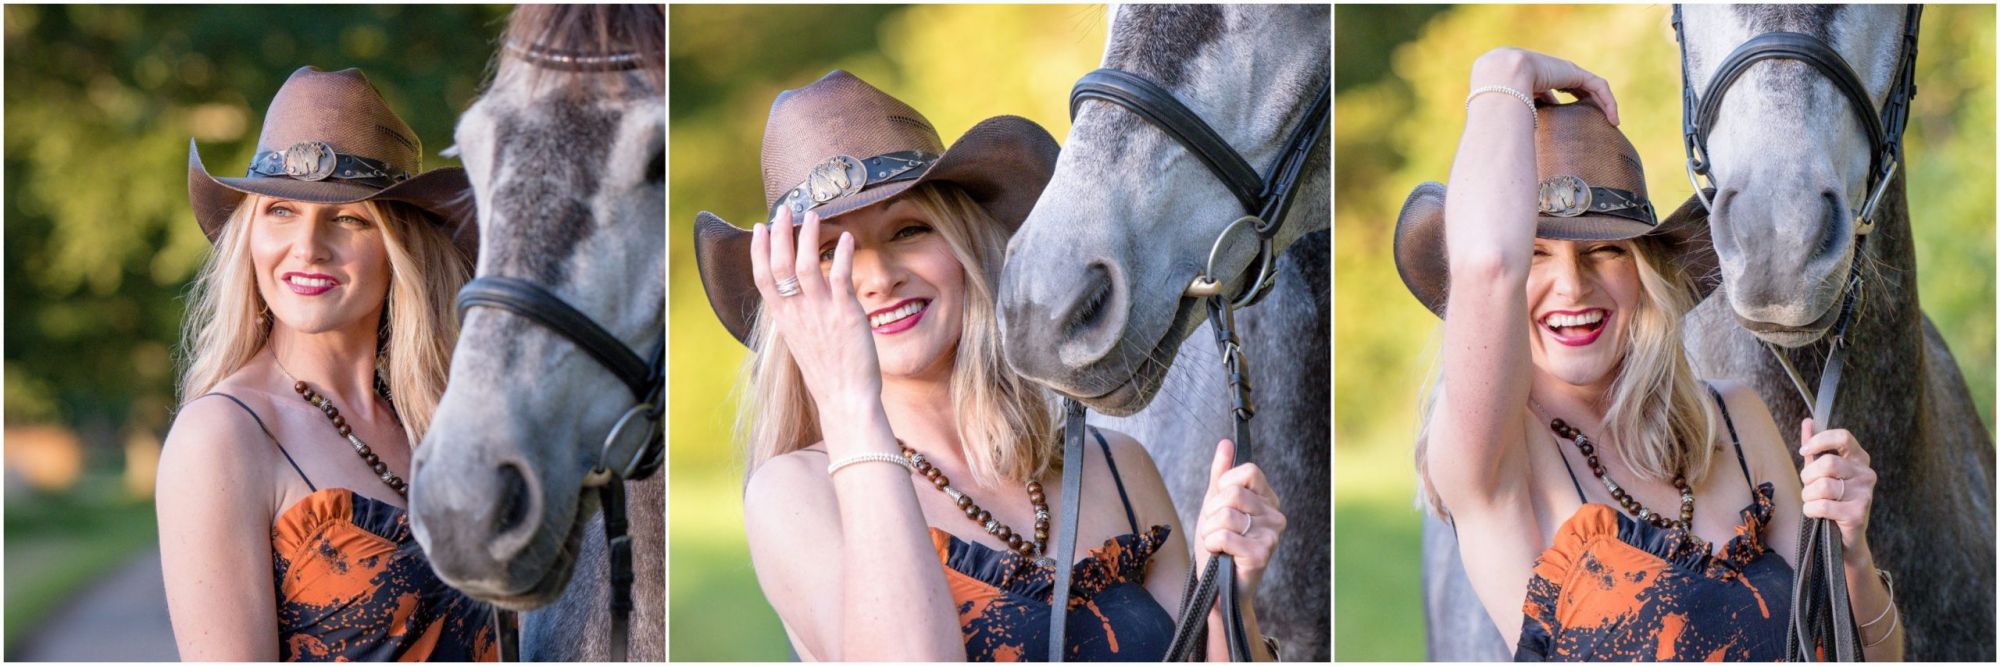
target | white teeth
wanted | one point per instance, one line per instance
(896, 315)
(1564, 320)
(309, 282)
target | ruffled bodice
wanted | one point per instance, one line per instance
(1611, 588)
(1003, 601)
(352, 585)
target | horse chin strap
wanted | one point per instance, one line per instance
(1821, 607)
(1267, 200)
(632, 451)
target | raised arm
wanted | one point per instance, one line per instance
(1476, 457)
(872, 589)
(214, 499)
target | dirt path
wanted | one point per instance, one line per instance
(121, 618)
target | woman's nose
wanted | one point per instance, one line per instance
(874, 273)
(1569, 276)
(311, 244)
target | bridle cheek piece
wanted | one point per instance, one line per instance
(1266, 200)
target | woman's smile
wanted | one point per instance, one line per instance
(900, 317)
(1575, 328)
(309, 284)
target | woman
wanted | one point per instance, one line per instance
(899, 497)
(1618, 565)
(316, 347)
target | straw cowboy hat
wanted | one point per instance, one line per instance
(839, 145)
(330, 138)
(1591, 189)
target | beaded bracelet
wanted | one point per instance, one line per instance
(867, 457)
(1525, 99)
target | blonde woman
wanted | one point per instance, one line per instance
(317, 338)
(1609, 505)
(899, 499)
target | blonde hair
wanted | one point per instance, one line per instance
(1659, 414)
(224, 327)
(1006, 425)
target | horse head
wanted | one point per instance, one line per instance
(565, 150)
(1791, 158)
(1092, 294)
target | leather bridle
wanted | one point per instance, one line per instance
(1820, 575)
(1266, 200)
(636, 446)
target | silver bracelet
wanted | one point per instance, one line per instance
(867, 457)
(1525, 99)
(1888, 583)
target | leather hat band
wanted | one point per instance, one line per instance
(1570, 196)
(843, 175)
(315, 161)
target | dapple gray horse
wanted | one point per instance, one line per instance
(1128, 220)
(568, 173)
(1791, 163)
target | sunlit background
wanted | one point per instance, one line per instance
(101, 244)
(957, 65)
(1400, 77)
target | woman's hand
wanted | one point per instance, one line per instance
(822, 323)
(1537, 74)
(1239, 518)
(1838, 485)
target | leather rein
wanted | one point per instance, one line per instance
(1266, 200)
(1820, 576)
(636, 446)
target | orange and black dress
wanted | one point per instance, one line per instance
(352, 585)
(1615, 589)
(1003, 597)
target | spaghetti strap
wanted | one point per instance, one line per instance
(1733, 441)
(1567, 468)
(1130, 517)
(267, 433)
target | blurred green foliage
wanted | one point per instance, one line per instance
(100, 242)
(1398, 116)
(957, 65)
(100, 104)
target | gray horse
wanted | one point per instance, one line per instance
(1791, 164)
(565, 153)
(1128, 220)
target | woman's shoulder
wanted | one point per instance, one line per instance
(217, 449)
(1749, 421)
(1139, 475)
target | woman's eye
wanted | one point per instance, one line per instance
(1608, 250)
(353, 221)
(279, 211)
(912, 231)
(826, 255)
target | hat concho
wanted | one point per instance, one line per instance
(1565, 196)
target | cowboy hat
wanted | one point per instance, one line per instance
(330, 138)
(1591, 189)
(839, 145)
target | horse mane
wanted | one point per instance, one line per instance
(587, 30)
(1157, 41)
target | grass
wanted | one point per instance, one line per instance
(58, 545)
(1378, 540)
(716, 611)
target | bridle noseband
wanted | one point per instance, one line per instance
(1266, 201)
(1819, 576)
(636, 446)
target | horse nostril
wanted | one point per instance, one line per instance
(1089, 311)
(514, 499)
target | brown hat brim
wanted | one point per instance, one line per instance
(1422, 263)
(445, 193)
(1003, 163)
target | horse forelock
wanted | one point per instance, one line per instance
(546, 172)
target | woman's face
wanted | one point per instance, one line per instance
(1581, 298)
(320, 267)
(909, 283)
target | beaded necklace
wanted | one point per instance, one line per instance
(1015, 541)
(339, 422)
(1625, 500)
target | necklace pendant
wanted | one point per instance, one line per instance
(1046, 562)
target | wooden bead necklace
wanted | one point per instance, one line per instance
(1625, 500)
(1015, 542)
(332, 413)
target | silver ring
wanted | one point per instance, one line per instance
(1252, 523)
(789, 286)
(1843, 490)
